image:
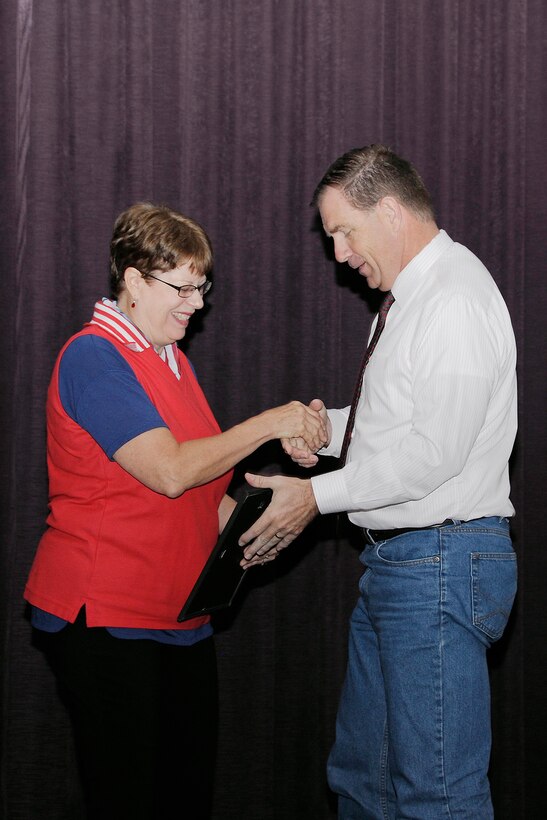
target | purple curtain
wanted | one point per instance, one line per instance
(231, 111)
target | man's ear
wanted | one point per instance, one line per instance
(391, 213)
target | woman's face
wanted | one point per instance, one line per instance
(160, 313)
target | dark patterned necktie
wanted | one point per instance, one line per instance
(382, 313)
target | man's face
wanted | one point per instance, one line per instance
(366, 240)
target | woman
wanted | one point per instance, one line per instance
(138, 472)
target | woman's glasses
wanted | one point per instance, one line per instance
(186, 290)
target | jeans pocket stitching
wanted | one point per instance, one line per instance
(500, 608)
(433, 558)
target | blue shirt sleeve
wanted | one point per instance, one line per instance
(100, 392)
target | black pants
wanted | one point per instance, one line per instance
(145, 720)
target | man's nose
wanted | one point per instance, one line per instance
(342, 251)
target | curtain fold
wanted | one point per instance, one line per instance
(230, 112)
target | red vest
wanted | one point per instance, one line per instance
(131, 555)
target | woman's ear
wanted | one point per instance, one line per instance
(133, 282)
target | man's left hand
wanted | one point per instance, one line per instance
(292, 507)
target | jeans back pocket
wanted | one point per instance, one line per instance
(494, 585)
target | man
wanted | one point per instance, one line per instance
(426, 479)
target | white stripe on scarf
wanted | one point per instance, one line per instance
(106, 314)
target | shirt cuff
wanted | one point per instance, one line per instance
(338, 420)
(331, 493)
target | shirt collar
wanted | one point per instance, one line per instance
(412, 275)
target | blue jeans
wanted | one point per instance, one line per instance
(413, 727)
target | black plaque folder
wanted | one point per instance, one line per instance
(222, 575)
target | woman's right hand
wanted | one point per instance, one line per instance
(298, 422)
(170, 467)
(296, 447)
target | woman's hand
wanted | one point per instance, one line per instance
(296, 447)
(226, 508)
(171, 467)
(305, 424)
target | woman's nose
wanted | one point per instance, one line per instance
(196, 300)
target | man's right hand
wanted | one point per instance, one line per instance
(297, 448)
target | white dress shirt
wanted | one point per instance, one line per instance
(437, 417)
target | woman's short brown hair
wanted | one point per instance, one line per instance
(155, 238)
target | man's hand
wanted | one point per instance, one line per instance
(296, 420)
(297, 448)
(292, 507)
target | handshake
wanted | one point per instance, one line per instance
(303, 430)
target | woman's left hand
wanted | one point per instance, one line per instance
(225, 509)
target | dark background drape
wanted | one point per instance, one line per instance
(231, 110)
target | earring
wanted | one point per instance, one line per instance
(133, 303)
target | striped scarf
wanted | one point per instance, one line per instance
(108, 316)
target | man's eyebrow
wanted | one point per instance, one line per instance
(335, 229)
